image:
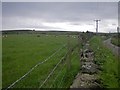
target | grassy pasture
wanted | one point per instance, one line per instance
(21, 52)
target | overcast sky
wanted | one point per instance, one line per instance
(69, 16)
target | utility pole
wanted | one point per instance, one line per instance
(118, 29)
(97, 24)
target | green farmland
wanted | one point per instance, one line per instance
(22, 52)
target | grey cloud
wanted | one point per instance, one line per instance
(61, 11)
(73, 12)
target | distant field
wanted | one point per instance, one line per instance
(21, 52)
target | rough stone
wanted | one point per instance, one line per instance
(85, 81)
(87, 77)
(89, 67)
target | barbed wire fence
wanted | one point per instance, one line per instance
(64, 75)
(59, 73)
(51, 73)
(66, 57)
(10, 86)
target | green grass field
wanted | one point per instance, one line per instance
(21, 52)
(108, 62)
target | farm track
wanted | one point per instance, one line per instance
(115, 49)
(87, 77)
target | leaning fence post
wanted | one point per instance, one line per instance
(79, 48)
(69, 53)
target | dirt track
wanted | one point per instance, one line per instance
(114, 48)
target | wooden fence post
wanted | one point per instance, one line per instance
(79, 48)
(79, 42)
(69, 53)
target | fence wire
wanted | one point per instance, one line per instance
(51, 72)
(58, 75)
(62, 79)
(34, 68)
(65, 73)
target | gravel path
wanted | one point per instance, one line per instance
(114, 48)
